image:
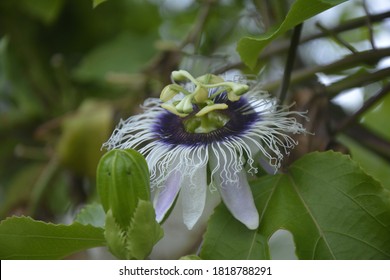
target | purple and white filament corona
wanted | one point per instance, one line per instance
(187, 162)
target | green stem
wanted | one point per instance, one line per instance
(348, 121)
(195, 34)
(370, 140)
(290, 62)
(357, 81)
(336, 38)
(42, 185)
(369, 25)
(369, 57)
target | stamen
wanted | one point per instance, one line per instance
(200, 97)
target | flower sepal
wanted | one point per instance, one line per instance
(131, 243)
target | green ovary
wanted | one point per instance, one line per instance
(206, 123)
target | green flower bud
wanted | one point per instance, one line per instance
(122, 180)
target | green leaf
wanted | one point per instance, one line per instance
(249, 48)
(332, 208)
(25, 238)
(377, 118)
(125, 54)
(371, 163)
(115, 237)
(76, 149)
(95, 3)
(191, 258)
(92, 214)
(144, 231)
(20, 188)
(137, 240)
(45, 10)
(226, 238)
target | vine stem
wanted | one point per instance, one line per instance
(369, 57)
(42, 185)
(290, 62)
(369, 25)
(337, 38)
(195, 34)
(347, 122)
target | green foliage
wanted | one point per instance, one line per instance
(70, 69)
(97, 2)
(25, 238)
(92, 214)
(373, 164)
(191, 258)
(116, 237)
(75, 148)
(20, 188)
(135, 241)
(144, 232)
(120, 55)
(378, 118)
(226, 238)
(249, 48)
(332, 208)
(45, 10)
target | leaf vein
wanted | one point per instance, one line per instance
(344, 193)
(311, 215)
(361, 240)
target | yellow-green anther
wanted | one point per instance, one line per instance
(182, 75)
(232, 96)
(169, 92)
(173, 110)
(210, 79)
(209, 108)
(238, 89)
(207, 87)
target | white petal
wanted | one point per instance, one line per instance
(233, 185)
(193, 194)
(165, 196)
(238, 198)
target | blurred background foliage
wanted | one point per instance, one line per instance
(70, 69)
